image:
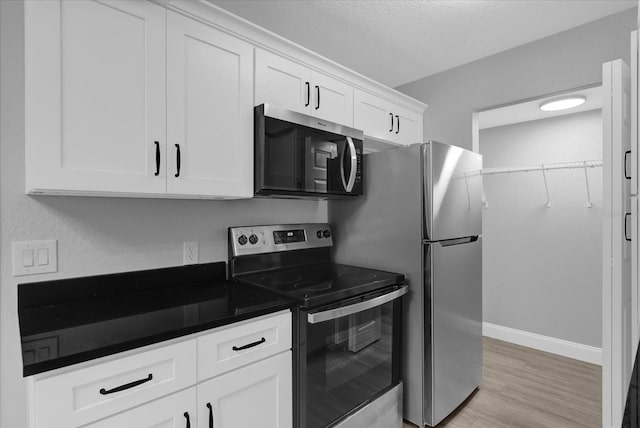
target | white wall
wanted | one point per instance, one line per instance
(563, 61)
(95, 235)
(542, 267)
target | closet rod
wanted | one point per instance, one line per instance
(546, 167)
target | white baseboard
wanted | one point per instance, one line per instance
(565, 348)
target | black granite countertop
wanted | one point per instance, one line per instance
(68, 321)
(632, 406)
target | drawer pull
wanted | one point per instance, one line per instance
(186, 415)
(210, 415)
(250, 345)
(126, 386)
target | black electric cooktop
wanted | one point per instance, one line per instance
(317, 284)
(68, 321)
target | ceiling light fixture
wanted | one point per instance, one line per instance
(563, 103)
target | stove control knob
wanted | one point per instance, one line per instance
(319, 234)
(253, 239)
(242, 240)
(326, 233)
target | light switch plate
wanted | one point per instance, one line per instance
(34, 257)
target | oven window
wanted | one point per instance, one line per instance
(349, 361)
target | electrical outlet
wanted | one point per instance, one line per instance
(190, 256)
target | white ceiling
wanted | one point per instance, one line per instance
(398, 41)
(530, 110)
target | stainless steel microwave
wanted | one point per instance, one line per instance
(300, 156)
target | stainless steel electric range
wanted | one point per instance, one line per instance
(347, 325)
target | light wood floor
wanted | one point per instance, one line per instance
(523, 387)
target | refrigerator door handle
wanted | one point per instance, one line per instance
(458, 241)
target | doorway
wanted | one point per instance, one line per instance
(542, 225)
(559, 310)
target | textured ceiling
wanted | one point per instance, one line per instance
(398, 41)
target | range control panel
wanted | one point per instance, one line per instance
(282, 237)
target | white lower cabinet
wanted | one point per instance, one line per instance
(256, 396)
(173, 386)
(174, 411)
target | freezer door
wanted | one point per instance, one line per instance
(453, 288)
(452, 192)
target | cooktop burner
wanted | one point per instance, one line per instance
(314, 285)
(282, 280)
(320, 283)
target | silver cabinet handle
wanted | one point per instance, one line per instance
(332, 314)
(354, 165)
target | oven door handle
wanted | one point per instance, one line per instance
(331, 314)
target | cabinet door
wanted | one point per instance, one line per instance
(257, 395)
(384, 120)
(373, 115)
(332, 99)
(174, 411)
(282, 83)
(209, 111)
(408, 126)
(95, 96)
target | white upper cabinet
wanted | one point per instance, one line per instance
(290, 85)
(332, 99)
(373, 115)
(125, 94)
(209, 111)
(383, 120)
(408, 125)
(281, 82)
(136, 98)
(95, 96)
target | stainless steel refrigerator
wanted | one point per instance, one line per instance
(421, 215)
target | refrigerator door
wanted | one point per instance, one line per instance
(453, 320)
(452, 192)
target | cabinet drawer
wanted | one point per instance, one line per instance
(85, 395)
(242, 344)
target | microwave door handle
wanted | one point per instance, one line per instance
(344, 180)
(348, 185)
(343, 311)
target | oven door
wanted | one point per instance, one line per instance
(298, 155)
(351, 355)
